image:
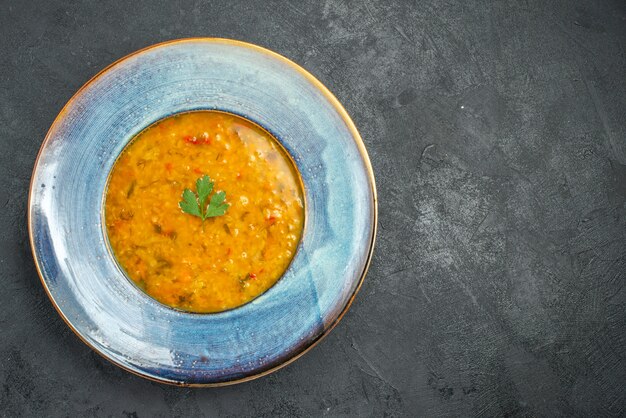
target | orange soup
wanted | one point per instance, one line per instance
(204, 252)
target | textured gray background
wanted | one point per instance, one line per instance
(497, 133)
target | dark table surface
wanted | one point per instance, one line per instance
(497, 134)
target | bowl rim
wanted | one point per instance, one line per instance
(349, 124)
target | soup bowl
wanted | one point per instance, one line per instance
(69, 238)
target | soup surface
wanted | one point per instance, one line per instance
(220, 262)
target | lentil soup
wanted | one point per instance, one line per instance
(223, 261)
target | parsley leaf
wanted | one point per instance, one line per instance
(216, 207)
(204, 186)
(189, 204)
(195, 204)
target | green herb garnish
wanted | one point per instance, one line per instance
(195, 203)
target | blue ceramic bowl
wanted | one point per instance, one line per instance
(68, 237)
